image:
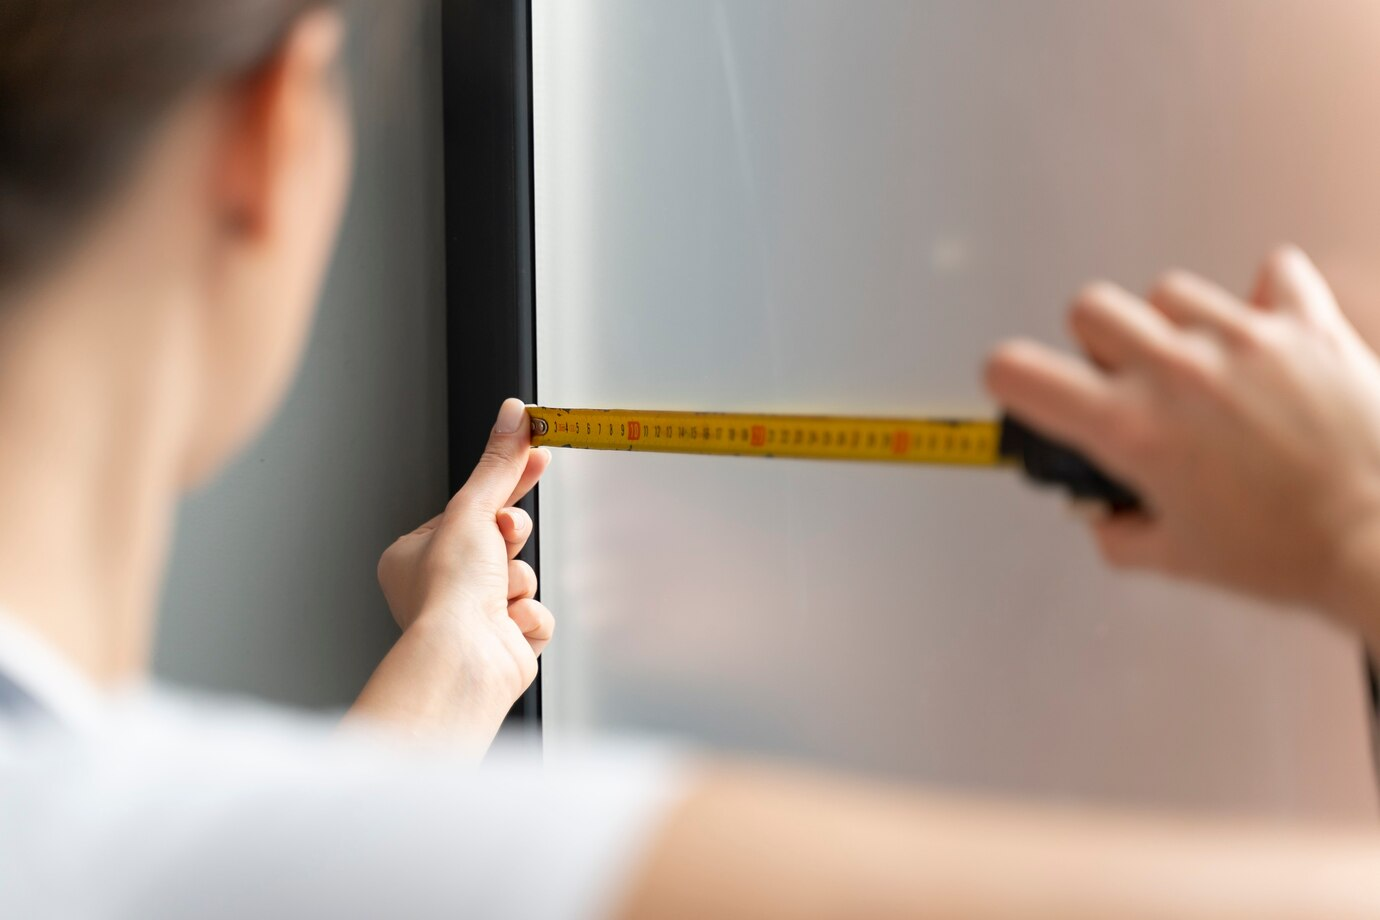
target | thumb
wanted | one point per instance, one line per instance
(505, 457)
(1291, 283)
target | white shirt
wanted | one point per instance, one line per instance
(150, 805)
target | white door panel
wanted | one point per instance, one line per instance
(840, 205)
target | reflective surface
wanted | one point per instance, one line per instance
(838, 206)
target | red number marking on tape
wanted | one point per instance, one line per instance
(634, 431)
(901, 443)
(759, 435)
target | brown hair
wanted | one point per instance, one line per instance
(84, 82)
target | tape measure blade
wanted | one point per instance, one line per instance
(814, 437)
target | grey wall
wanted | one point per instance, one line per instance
(272, 589)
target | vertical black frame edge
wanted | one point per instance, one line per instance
(490, 290)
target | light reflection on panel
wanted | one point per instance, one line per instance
(839, 205)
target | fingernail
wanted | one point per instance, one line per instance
(511, 416)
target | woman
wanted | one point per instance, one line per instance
(171, 177)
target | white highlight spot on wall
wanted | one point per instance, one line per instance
(949, 255)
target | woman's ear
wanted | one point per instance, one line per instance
(279, 172)
(275, 116)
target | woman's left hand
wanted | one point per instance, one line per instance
(472, 628)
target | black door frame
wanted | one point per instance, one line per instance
(491, 347)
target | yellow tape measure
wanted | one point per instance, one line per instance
(815, 437)
(830, 437)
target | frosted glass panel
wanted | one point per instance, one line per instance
(839, 206)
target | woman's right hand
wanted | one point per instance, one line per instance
(1250, 428)
(472, 628)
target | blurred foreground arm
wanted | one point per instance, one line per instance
(1250, 428)
(764, 845)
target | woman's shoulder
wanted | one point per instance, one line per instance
(181, 803)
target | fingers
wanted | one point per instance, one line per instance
(535, 621)
(1190, 301)
(538, 459)
(522, 580)
(516, 527)
(1057, 394)
(1131, 541)
(1118, 328)
(505, 459)
(1290, 282)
